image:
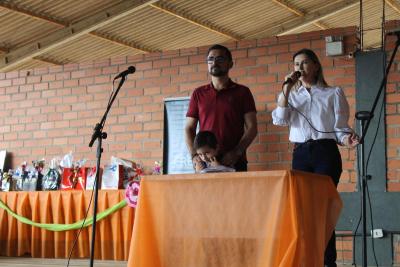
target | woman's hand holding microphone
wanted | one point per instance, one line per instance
(287, 85)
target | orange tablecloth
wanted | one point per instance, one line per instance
(18, 239)
(253, 219)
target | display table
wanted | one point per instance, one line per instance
(253, 219)
(17, 239)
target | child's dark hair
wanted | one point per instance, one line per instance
(205, 138)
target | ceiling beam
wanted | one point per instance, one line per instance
(4, 50)
(287, 6)
(188, 18)
(49, 61)
(122, 43)
(393, 4)
(295, 24)
(321, 25)
(298, 12)
(71, 32)
(42, 17)
(15, 8)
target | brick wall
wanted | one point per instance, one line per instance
(393, 114)
(344, 246)
(47, 112)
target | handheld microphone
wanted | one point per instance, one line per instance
(296, 74)
(130, 70)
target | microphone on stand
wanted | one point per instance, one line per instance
(130, 70)
(296, 74)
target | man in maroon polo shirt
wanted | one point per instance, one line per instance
(225, 108)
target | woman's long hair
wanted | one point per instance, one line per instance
(319, 79)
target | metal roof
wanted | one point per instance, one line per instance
(37, 33)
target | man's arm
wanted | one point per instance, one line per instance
(190, 133)
(250, 132)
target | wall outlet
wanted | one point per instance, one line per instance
(377, 233)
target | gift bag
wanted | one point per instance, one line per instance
(130, 174)
(20, 174)
(91, 177)
(52, 177)
(39, 166)
(29, 183)
(51, 180)
(6, 181)
(112, 177)
(74, 178)
(130, 170)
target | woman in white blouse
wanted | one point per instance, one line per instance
(317, 115)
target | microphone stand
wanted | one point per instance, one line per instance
(100, 135)
(365, 117)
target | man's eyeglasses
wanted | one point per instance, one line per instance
(218, 59)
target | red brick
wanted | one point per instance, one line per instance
(118, 60)
(188, 51)
(63, 76)
(257, 70)
(33, 79)
(152, 108)
(393, 187)
(86, 65)
(277, 68)
(238, 54)
(148, 126)
(102, 79)
(245, 62)
(157, 116)
(78, 74)
(197, 59)
(161, 63)
(318, 44)
(246, 43)
(150, 145)
(169, 89)
(12, 74)
(183, 61)
(152, 73)
(16, 97)
(346, 187)
(154, 55)
(169, 71)
(164, 54)
(41, 86)
(39, 102)
(266, 60)
(256, 52)
(267, 79)
(144, 65)
(277, 49)
(294, 47)
(18, 81)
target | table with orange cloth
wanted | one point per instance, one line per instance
(113, 233)
(249, 219)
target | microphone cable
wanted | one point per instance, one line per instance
(83, 223)
(305, 117)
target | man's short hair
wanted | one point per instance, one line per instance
(205, 138)
(222, 48)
